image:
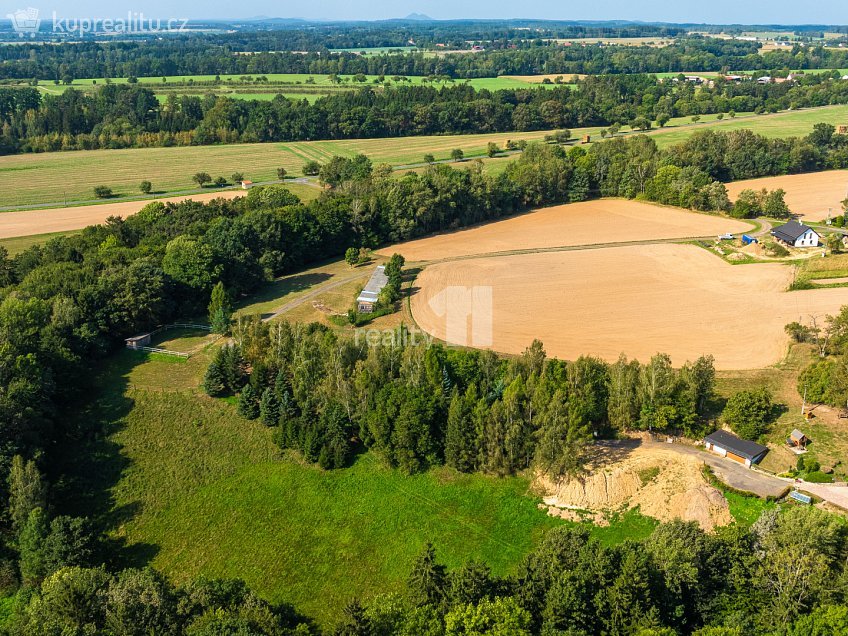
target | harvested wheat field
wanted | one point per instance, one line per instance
(31, 222)
(809, 195)
(662, 483)
(588, 223)
(637, 300)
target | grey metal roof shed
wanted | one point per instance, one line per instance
(375, 285)
(742, 447)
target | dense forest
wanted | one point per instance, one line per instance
(419, 405)
(302, 35)
(66, 304)
(129, 115)
(256, 54)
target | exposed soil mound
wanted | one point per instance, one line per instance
(662, 483)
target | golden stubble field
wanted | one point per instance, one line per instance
(657, 295)
(637, 300)
(32, 222)
(589, 223)
(808, 195)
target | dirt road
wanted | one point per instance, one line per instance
(837, 495)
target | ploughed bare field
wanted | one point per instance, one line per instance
(588, 223)
(636, 300)
(808, 195)
(31, 222)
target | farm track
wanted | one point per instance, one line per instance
(317, 291)
(563, 248)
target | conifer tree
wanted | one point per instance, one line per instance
(248, 405)
(215, 381)
(426, 583)
(269, 408)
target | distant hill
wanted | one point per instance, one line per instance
(418, 16)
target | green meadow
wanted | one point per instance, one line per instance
(48, 178)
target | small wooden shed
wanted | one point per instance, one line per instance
(797, 439)
(137, 342)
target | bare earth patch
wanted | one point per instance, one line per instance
(588, 223)
(30, 222)
(663, 484)
(637, 300)
(809, 195)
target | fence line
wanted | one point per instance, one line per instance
(181, 354)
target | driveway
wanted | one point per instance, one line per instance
(733, 474)
(837, 495)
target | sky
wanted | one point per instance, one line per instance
(712, 11)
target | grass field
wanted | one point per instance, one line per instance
(290, 85)
(784, 124)
(203, 491)
(22, 243)
(52, 177)
(296, 533)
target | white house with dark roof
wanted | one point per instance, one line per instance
(796, 234)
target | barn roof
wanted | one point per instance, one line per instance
(791, 231)
(375, 285)
(737, 446)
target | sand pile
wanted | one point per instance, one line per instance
(662, 483)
